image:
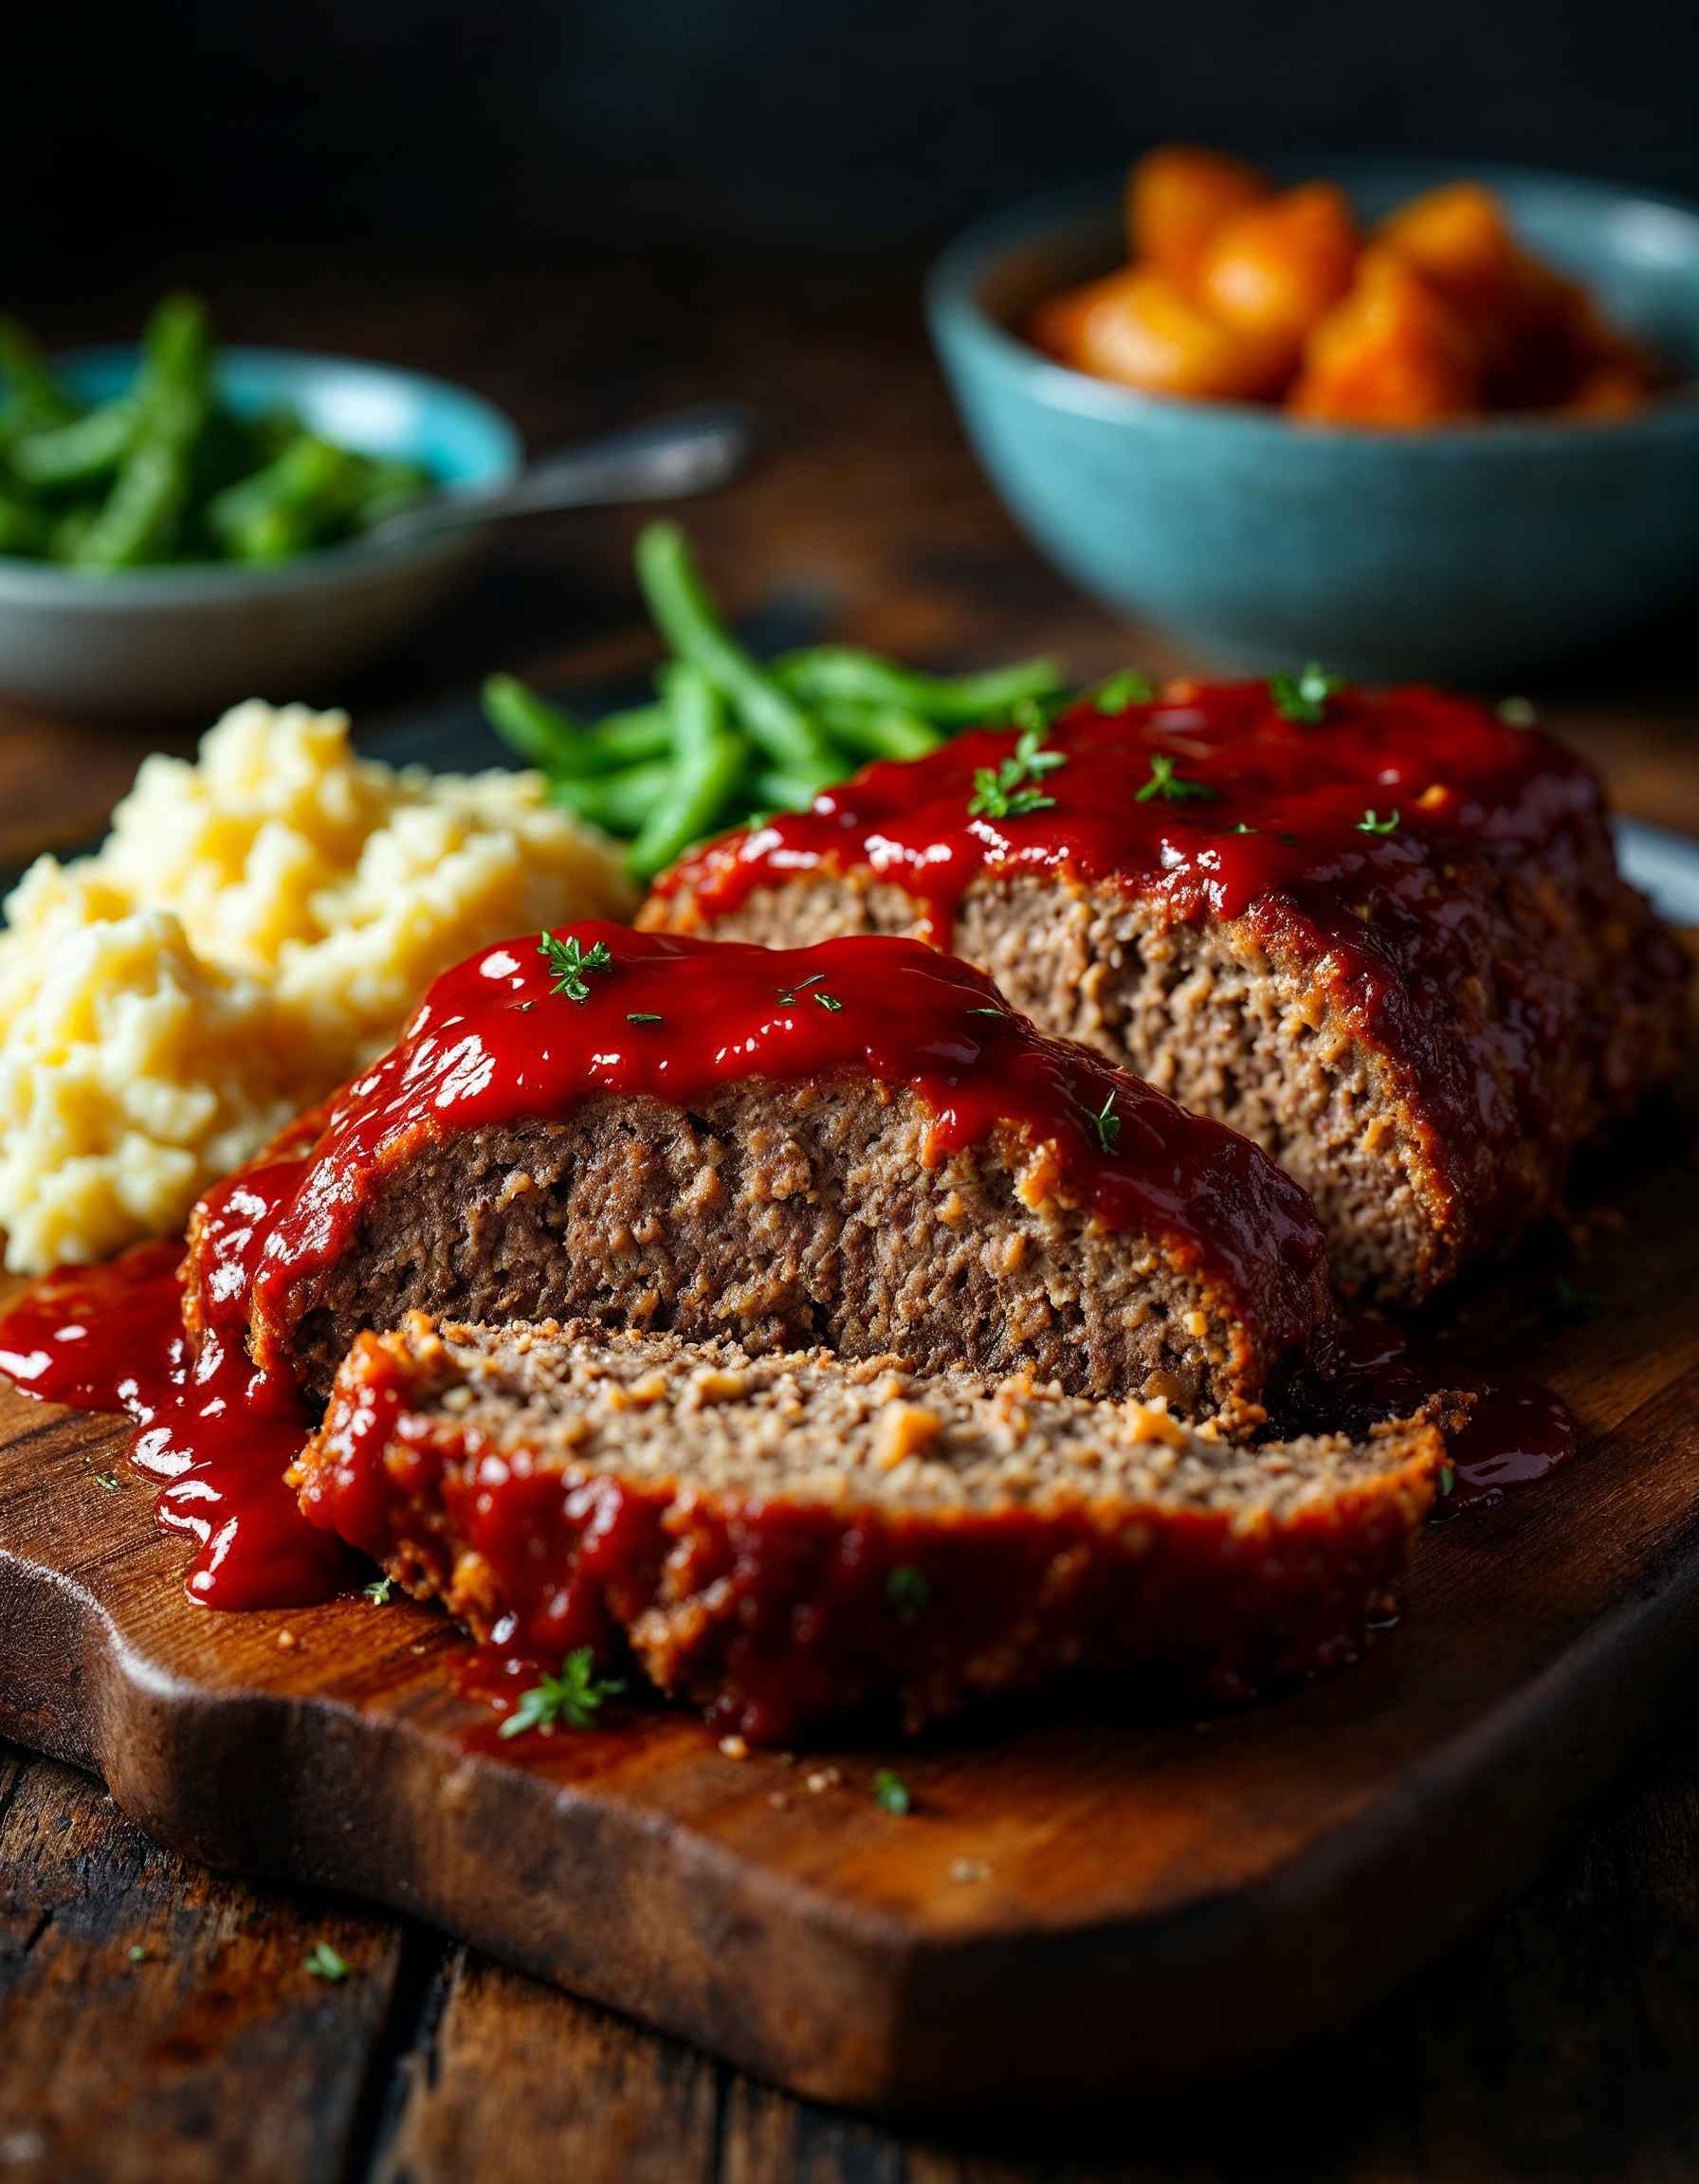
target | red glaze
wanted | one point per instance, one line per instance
(797, 1622)
(1518, 1431)
(219, 1434)
(1380, 918)
(492, 1043)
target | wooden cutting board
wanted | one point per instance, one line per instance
(1078, 1903)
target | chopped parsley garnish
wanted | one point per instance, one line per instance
(999, 794)
(379, 1592)
(1242, 829)
(787, 995)
(907, 1591)
(1124, 690)
(641, 1016)
(139, 1952)
(827, 1001)
(890, 1790)
(1304, 695)
(1571, 1303)
(525, 1007)
(1174, 786)
(1369, 824)
(571, 964)
(987, 1011)
(1517, 712)
(1107, 1125)
(1448, 1479)
(326, 1964)
(572, 1697)
(110, 1480)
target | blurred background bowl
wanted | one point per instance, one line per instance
(1464, 553)
(194, 638)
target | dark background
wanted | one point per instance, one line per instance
(520, 127)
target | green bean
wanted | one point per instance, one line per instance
(138, 521)
(23, 529)
(775, 791)
(86, 450)
(543, 734)
(547, 736)
(708, 763)
(842, 674)
(37, 398)
(618, 802)
(141, 516)
(689, 621)
(880, 733)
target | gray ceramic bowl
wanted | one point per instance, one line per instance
(1471, 553)
(159, 640)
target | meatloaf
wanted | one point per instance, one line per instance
(784, 1538)
(1380, 932)
(858, 1145)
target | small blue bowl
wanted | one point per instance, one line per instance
(1470, 552)
(196, 637)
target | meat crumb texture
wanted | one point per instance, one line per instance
(764, 1555)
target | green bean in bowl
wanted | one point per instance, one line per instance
(730, 735)
(167, 472)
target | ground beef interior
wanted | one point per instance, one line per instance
(1575, 1004)
(783, 1538)
(787, 1215)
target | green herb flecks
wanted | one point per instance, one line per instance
(787, 995)
(1446, 1480)
(573, 1696)
(379, 1591)
(1371, 824)
(1171, 785)
(139, 1952)
(890, 1790)
(907, 1591)
(999, 794)
(1517, 712)
(1122, 692)
(110, 1480)
(323, 1962)
(571, 964)
(641, 1016)
(826, 1001)
(1107, 1125)
(1304, 696)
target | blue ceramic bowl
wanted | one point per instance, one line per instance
(1471, 552)
(194, 638)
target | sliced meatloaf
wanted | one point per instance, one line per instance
(1381, 933)
(782, 1539)
(858, 1145)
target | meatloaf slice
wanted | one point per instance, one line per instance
(781, 1539)
(1381, 933)
(858, 1146)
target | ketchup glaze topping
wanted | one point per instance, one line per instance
(498, 1040)
(1208, 797)
(1365, 843)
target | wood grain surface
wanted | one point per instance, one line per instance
(1563, 2042)
(1079, 1900)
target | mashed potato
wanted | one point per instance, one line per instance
(256, 926)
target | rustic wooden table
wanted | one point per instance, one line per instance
(157, 2021)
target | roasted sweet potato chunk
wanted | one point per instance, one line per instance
(1176, 196)
(1393, 353)
(1272, 271)
(1140, 329)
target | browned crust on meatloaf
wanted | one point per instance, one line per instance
(1234, 1019)
(762, 1505)
(787, 1215)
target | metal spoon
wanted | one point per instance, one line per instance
(667, 458)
